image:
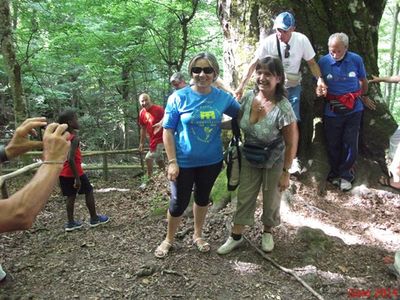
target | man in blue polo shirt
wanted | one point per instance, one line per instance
(344, 73)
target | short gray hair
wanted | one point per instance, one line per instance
(340, 36)
(178, 76)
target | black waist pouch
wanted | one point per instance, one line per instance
(259, 154)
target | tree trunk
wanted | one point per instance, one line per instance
(136, 110)
(394, 91)
(390, 95)
(125, 96)
(243, 25)
(74, 90)
(177, 41)
(12, 66)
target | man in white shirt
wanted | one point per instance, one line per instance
(291, 47)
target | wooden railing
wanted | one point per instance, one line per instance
(105, 166)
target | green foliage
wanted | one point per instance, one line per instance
(219, 190)
(158, 205)
(384, 60)
(99, 55)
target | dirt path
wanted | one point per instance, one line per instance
(116, 261)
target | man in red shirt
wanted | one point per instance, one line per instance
(150, 120)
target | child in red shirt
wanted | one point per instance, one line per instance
(73, 180)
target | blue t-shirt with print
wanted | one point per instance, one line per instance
(196, 120)
(343, 77)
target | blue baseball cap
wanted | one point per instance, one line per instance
(284, 21)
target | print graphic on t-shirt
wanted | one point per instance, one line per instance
(148, 117)
(207, 115)
(204, 122)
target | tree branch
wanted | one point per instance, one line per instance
(288, 271)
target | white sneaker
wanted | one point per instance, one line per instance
(267, 244)
(335, 182)
(345, 185)
(295, 167)
(2, 274)
(229, 245)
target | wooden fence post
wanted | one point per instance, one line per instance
(141, 160)
(105, 167)
(4, 192)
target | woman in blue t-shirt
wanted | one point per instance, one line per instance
(192, 140)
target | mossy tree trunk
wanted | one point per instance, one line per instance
(391, 95)
(11, 63)
(245, 22)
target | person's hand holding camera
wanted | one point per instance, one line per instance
(20, 142)
(55, 143)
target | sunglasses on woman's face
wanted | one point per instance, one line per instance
(206, 70)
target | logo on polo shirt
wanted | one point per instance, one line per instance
(352, 74)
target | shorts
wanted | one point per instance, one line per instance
(67, 186)
(158, 154)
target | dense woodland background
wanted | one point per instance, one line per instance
(98, 56)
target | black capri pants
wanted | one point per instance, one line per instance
(181, 189)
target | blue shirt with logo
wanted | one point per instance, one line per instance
(343, 77)
(196, 119)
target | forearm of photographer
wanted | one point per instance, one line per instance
(19, 211)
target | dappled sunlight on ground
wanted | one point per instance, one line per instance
(389, 238)
(244, 268)
(364, 220)
(364, 215)
(297, 220)
(331, 276)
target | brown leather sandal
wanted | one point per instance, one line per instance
(387, 182)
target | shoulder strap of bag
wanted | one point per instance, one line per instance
(234, 145)
(235, 128)
(278, 45)
(274, 142)
(237, 138)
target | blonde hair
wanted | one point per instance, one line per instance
(210, 58)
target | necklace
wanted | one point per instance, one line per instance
(261, 105)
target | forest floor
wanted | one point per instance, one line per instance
(346, 260)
